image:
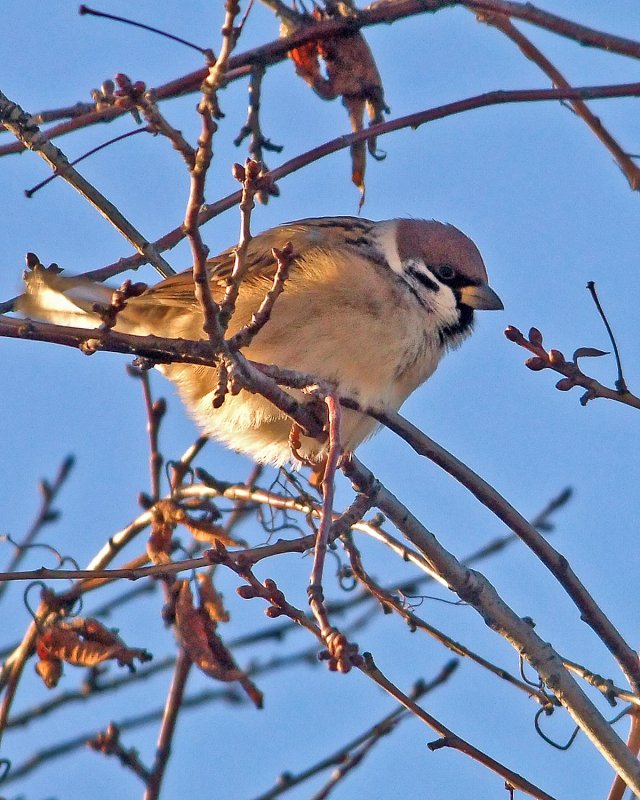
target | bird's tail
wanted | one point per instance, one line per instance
(49, 297)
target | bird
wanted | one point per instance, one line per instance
(369, 307)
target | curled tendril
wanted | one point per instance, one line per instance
(25, 599)
(537, 684)
(71, 560)
(620, 715)
(547, 739)
(41, 545)
(187, 474)
(411, 601)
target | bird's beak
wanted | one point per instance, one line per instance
(481, 297)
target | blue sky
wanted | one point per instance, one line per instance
(549, 211)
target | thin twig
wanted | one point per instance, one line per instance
(21, 124)
(147, 104)
(167, 729)
(194, 701)
(108, 742)
(46, 514)
(389, 599)
(284, 258)
(249, 176)
(258, 141)
(314, 590)
(378, 13)
(475, 589)
(619, 787)
(621, 384)
(590, 612)
(30, 192)
(160, 350)
(175, 236)
(448, 737)
(573, 375)
(155, 412)
(624, 161)
(92, 12)
(202, 289)
(371, 735)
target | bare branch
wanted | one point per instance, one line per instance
(169, 719)
(625, 162)
(449, 738)
(472, 587)
(573, 375)
(590, 612)
(344, 758)
(23, 128)
(46, 514)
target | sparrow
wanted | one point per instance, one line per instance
(370, 307)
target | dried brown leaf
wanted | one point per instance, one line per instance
(50, 670)
(211, 599)
(351, 73)
(66, 644)
(196, 634)
(162, 527)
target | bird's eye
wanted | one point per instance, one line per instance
(445, 272)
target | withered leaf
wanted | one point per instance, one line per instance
(71, 643)
(196, 633)
(351, 73)
(50, 670)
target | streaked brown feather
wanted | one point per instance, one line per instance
(305, 235)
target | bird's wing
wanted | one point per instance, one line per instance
(305, 235)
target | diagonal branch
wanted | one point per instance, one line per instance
(18, 122)
(500, 97)
(383, 12)
(449, 738)
(474, 588)
(624, 161)
(557, 564)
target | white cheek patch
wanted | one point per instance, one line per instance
(387, 240)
